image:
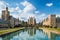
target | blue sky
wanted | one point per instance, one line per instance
(23, 9)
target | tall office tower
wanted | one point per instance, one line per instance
(50, 21)
(5, 14)
(53, 20)
(31, 21)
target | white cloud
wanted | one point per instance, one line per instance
(24, 13)
(27, 12)
(37, 12)
(15, 12)
(49, 4)
(25, 3)
(12, 9)
(14, 15)
(41, 17)
(58, 15)
(16, 9)
(29, 8)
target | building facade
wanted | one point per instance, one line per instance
(58, 22)
(50, 21)
(11, 20)
(3, 23)
(31, 21)
(14, 21)
(5, 14)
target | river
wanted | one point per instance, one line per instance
(31, 34)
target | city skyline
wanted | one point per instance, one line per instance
(22, 9)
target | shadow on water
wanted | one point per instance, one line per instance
(31, 34)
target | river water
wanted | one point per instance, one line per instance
(31, 34)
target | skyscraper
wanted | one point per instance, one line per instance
(5, 14)
(31, 21)
(50, 21)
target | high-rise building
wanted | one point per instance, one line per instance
(58, 22)
(5, 14)
(14, 21)
(50, 21)
(11, 20)
(31, 21)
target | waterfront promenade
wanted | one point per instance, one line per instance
(53, 30)
(7, 31)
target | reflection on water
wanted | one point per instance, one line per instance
(31, 34)
(52, 36)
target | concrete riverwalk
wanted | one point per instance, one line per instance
(7, 31)
(53, 30)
